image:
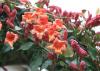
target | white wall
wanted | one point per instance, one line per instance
(75, 5)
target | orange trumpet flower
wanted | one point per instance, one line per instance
(11, 38)
(38, 30)
(52, 32)
(58, 46)
(43, 19)
(28, 17)
(59, 24)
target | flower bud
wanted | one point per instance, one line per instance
(8, 22)
(82, 53)
(47, 2)
(26, 32)
(93, 22)
(65, 35)
(52, 56)
(82, 66)
(13, 13)
(74, 44)
(29, 26)
(89, 18)
(76, 16)
(65, 13)
(1, 10)
(0, 25)
(73, 66)
(46, 37)
(77, 23)
(6, 9)
(97, 43)
(11, 19)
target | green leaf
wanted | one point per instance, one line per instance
(12, 6)
(75, 31)
(17, 28)
(36, 62)
(26, 46)
(90, 64)
(97, 37)
(6, 48)
(46, 64)
(92, 53)
(69, 51)
(38, 5)
(62, 63)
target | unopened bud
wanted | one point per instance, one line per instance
(13, 13)
(6, 9)
(8, 22)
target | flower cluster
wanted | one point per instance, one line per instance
(92, 22)
(79, 50)
(74, 67)
(65, 39)
(11, 37)
(11, 14)
(42, 29)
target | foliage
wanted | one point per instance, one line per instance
(48, 37)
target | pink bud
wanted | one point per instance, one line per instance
(13, 13)
(82, 66)
(76, 16)
(0, 26)
(30, 26)
(73, 66)
(47, 3)
(93, 22)
(82, 53)
(89, 17)
(8, 22)
(74, 44)
(22, 24)
(1, 10)
(51, 8)
(6, 9)
(52, 56)
(65, 13)
(26, 32)
(65, 35)
(70, 14)
(46, 37)
(11, 19)
(77, 23)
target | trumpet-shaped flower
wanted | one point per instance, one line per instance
(11, 38)
(58, 46)
(59, 24)
(38, 30)
(52, 32)
(43, 19)
(28, 17)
